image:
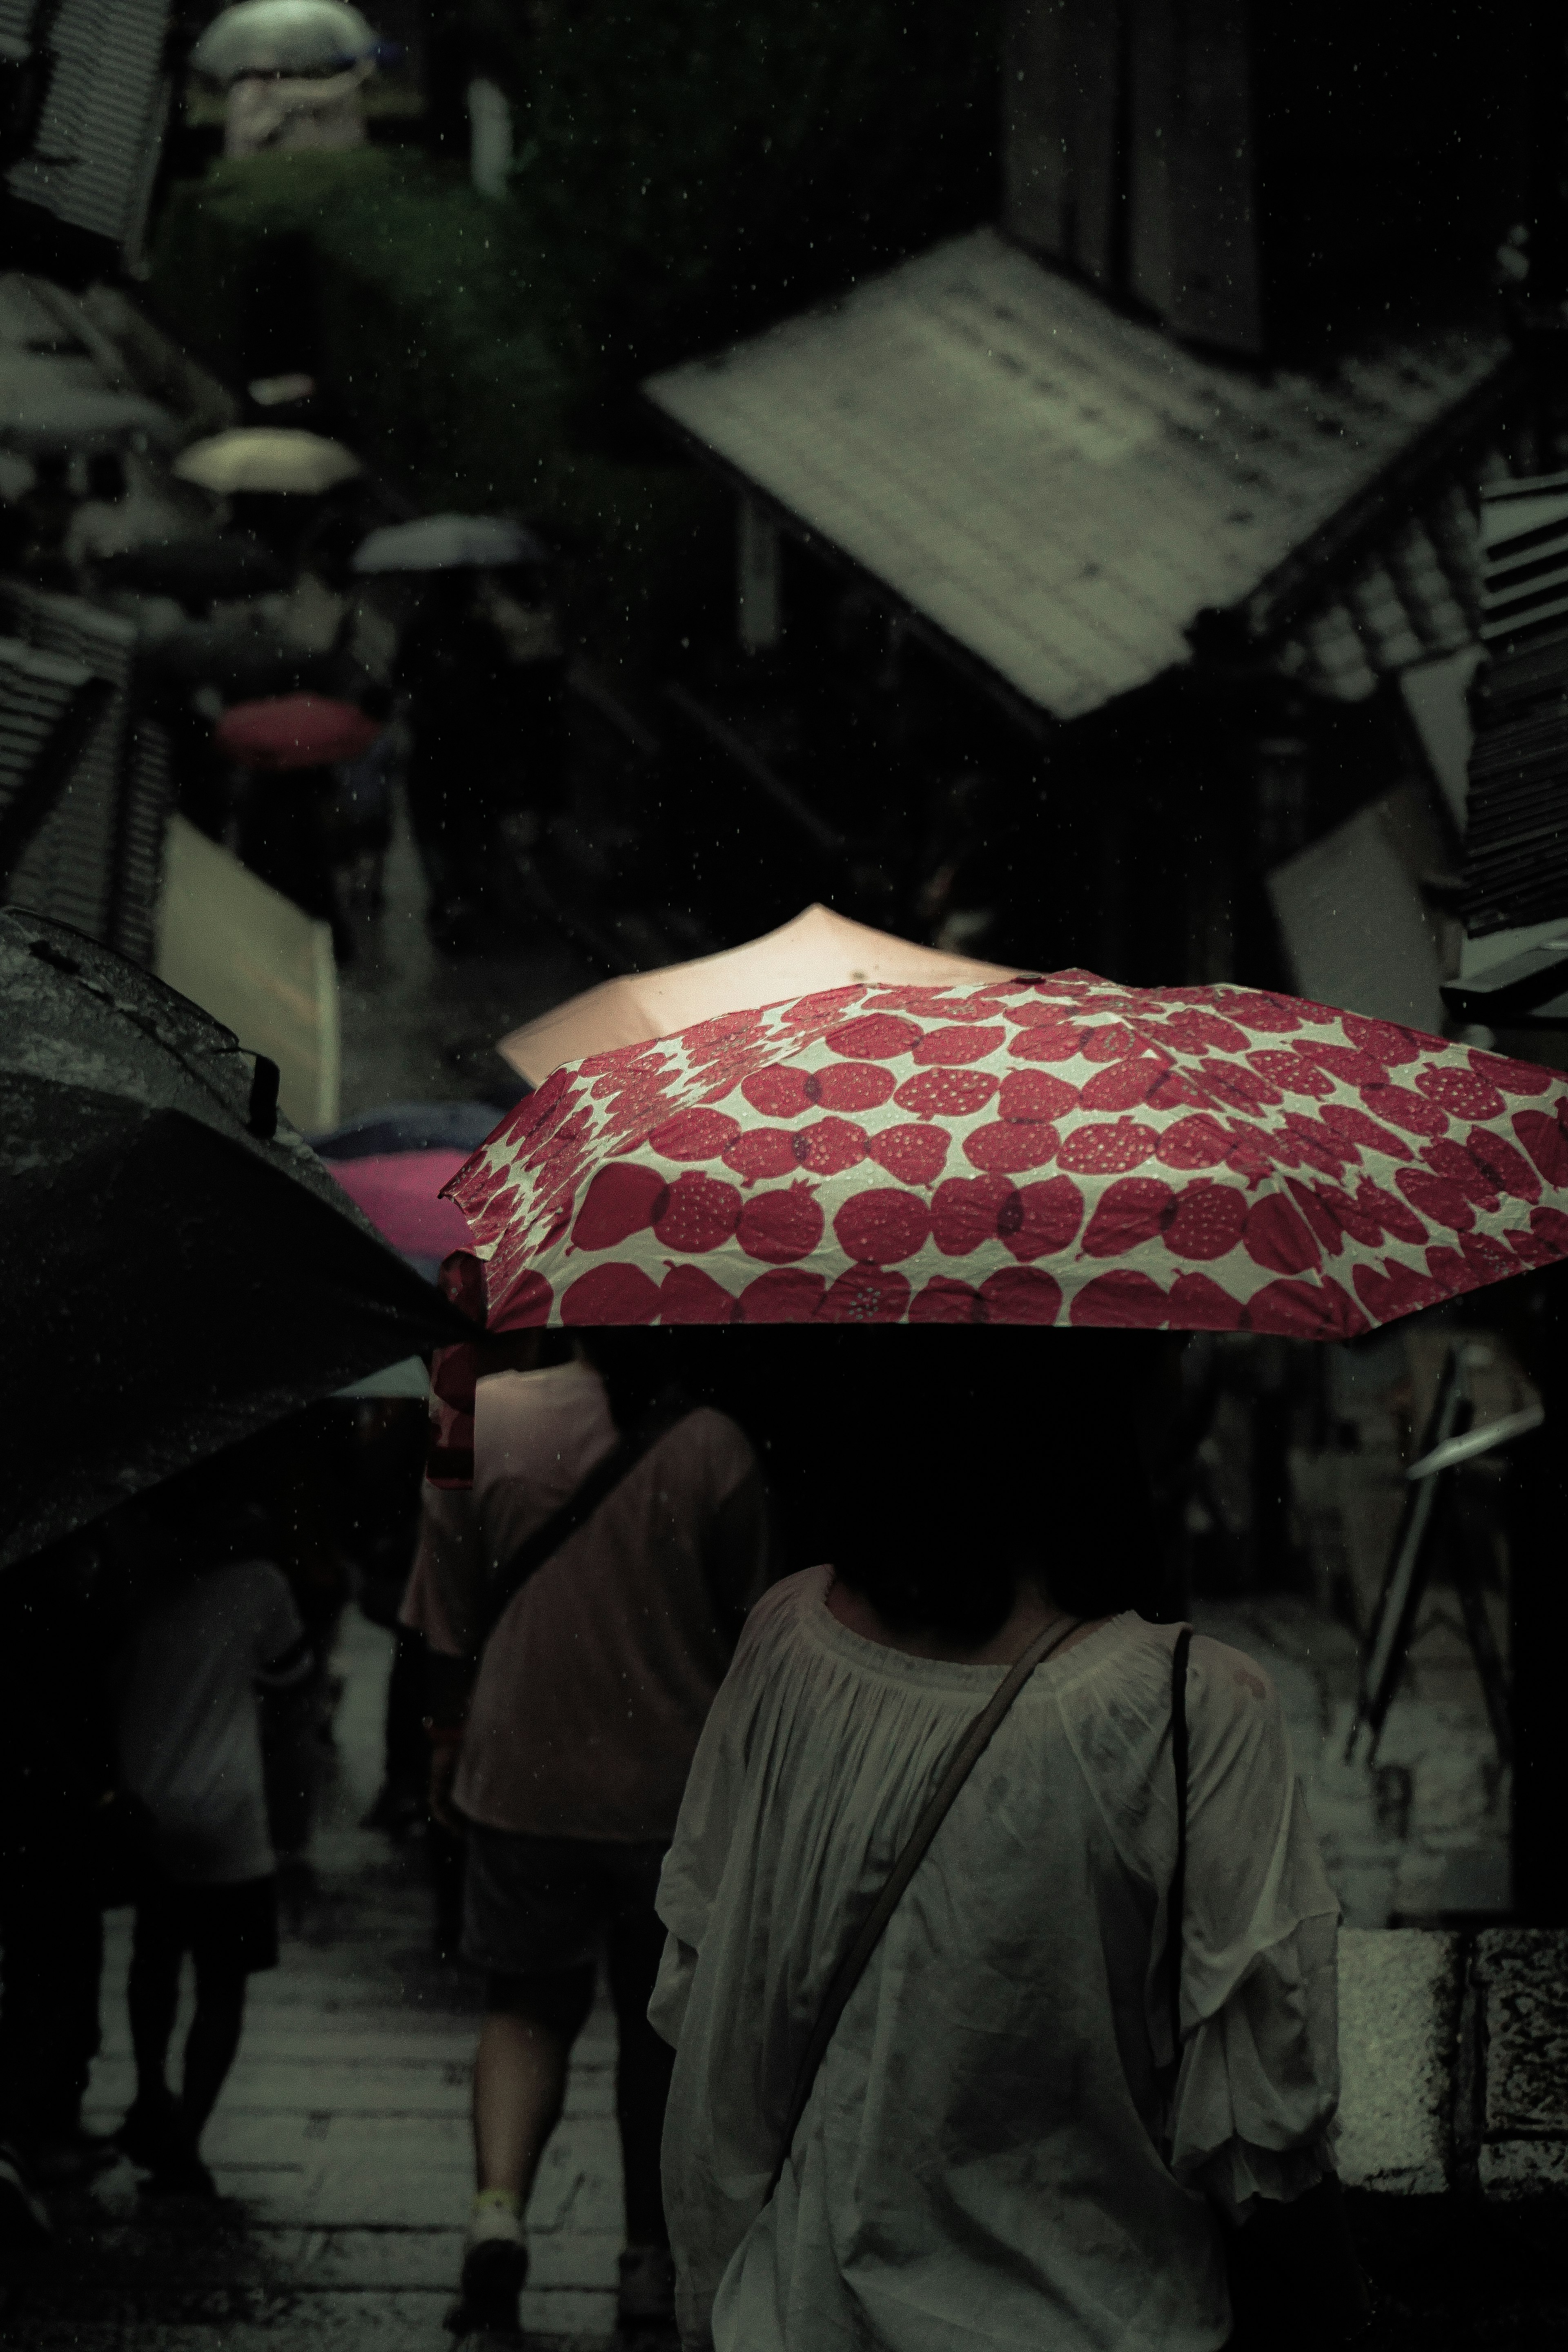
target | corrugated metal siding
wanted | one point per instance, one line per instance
(145, 803)
(90, 162)
(1516, 835)
(35, 692)
(1061, 489)
(70, 868)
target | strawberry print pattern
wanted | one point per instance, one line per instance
(1060, 1150)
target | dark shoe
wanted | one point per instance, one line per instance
(646, 2336)
(60, 2162)
(645, 2304)
(495, 2270)
(181, 2176)
(153, 2134)
(24, 2216)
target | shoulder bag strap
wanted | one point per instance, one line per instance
(1175, 1903)
(575, 1512)
(852, 1967)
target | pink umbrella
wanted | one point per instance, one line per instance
(294, 730)
(400, 1193)
(815, 949)
(1058, 1150)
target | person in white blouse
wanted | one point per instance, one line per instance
(1002, 2146)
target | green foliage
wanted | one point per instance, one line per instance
(712, 164)
(689, 172)
(437, 328)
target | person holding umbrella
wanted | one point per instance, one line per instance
(968, 2111)
(482, 667)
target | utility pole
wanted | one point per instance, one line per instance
(1538, 1315)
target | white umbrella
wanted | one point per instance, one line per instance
(448, 542)
(288, 37)
(266, 458)
(81, 419)
(815, 949)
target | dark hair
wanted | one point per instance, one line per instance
(639, 1369)
(958, 1467)
(928, 1465)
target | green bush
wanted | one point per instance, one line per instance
(706, 165)
(685, 173)
(435, 328)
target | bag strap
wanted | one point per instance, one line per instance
(852, 1967)
(578, 1508)
(1175, 1903)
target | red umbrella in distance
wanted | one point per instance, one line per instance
(294, 730)
(1060, 1151)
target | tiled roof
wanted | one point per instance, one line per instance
(1061, 489)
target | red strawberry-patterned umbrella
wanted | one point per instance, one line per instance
(294, 730)
(1060, 1150)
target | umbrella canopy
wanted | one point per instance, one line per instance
(198, 571)
(55, 417)
(448, 543)
(459, 1127)
(173, 1275)
(815, 949)
(395, 1163)
(1061, 1150)
(288, 37)
(294, 730)
(278, 458)
(400, 1193)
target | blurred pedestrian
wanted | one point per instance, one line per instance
(482, 667)
(385, 1480)
(56, 1766)
(566, 1765)
(218, 1621)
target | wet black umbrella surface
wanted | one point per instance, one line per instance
(176, 1266)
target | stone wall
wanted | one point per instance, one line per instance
(1454, 2062)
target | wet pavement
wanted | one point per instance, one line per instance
(341, 2143)
(419, 1025)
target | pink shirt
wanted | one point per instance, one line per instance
(595, 1684)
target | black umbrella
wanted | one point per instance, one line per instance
(198, 572)
(177, 1268)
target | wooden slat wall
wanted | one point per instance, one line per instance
(1147, 103)
(1063, 76)
(1217, 296)
(1038, 194)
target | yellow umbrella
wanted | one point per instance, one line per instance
(815, 949)
(268, 458)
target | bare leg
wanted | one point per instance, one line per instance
(210, 2045)
(520, 2084)
(643, 2068)
(152, 1996)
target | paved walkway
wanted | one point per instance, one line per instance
(341, 2143)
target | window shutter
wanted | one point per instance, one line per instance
(1063, 84)
(1192, 167)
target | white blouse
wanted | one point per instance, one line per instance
(981, 2162)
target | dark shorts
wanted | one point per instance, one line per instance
(536, 1905)
(229, 1929)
